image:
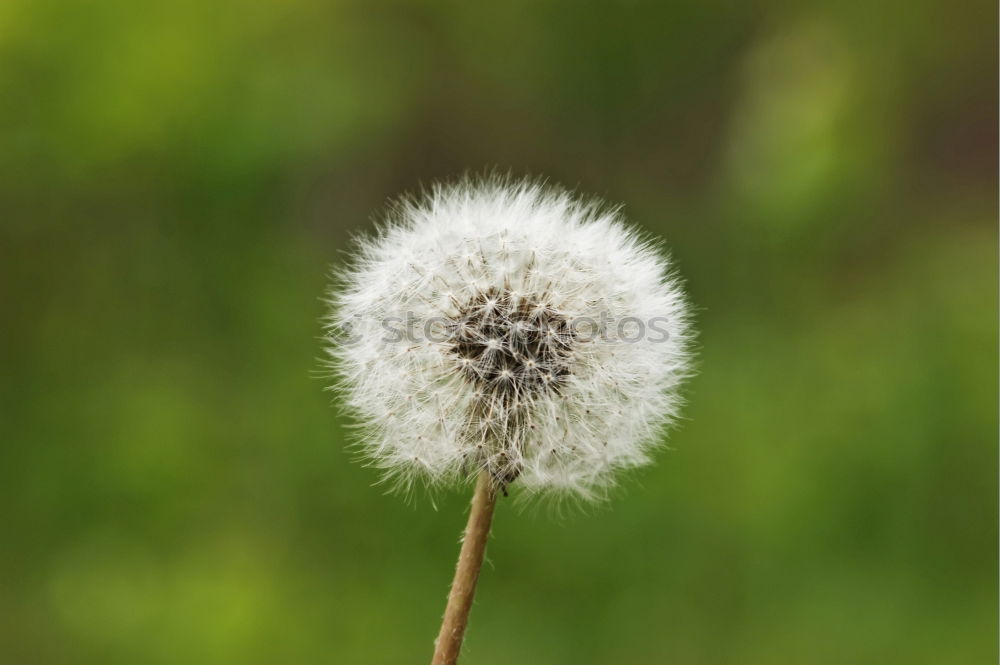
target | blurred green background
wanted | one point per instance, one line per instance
(176, 177)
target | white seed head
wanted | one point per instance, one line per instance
(513, 327)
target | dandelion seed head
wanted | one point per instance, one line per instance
(521, 283)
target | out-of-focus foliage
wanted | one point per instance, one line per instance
(177, 175)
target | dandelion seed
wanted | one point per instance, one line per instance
(521, 393)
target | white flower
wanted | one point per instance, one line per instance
(513, 327)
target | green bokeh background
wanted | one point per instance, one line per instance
(177, 176)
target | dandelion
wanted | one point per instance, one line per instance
(511, 331)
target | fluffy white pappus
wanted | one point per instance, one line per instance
(509, 326)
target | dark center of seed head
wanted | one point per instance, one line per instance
(511, 347)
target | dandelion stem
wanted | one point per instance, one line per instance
(470, 560)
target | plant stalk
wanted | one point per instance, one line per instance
(470, 560)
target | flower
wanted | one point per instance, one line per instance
(510, 326)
